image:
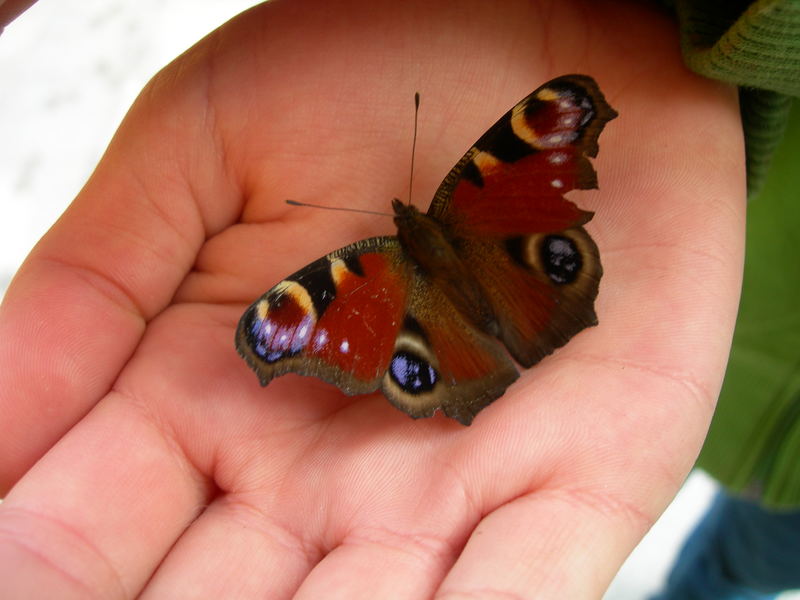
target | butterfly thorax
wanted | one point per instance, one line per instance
(434, 254)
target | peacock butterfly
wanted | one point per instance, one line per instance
(500, 264)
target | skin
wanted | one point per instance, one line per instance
(143, 458)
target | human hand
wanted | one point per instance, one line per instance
(170, 472)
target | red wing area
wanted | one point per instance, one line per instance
(336, 319)
(517, 198)
(513, 179)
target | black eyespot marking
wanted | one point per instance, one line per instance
(560, 258)
(413, 374)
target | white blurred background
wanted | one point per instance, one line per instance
(68, 72)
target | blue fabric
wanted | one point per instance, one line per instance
(739, 551)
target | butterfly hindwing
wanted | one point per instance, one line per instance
(541, 286)
(442, 361)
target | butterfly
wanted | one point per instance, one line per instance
(500, 267)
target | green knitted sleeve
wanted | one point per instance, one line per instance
(757, 47)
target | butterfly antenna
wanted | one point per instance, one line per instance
(413, 146)
(356, 210)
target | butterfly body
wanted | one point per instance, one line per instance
(431, 251)
(499, 265)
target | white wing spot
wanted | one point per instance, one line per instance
(568, 121)
(320, 339)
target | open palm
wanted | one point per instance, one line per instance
(169, 472)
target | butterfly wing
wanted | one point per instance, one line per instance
(442, 361)
(336, 319)
(364, 318)
(513, 178)
(503, 204)
(541, 286)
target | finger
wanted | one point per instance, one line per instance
(547, 544)
(380, 564)
(233, 550)
(78, 306)
(97, 514)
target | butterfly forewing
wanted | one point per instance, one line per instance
(513, 179)
(336, 319)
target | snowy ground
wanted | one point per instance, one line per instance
(70, 69)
